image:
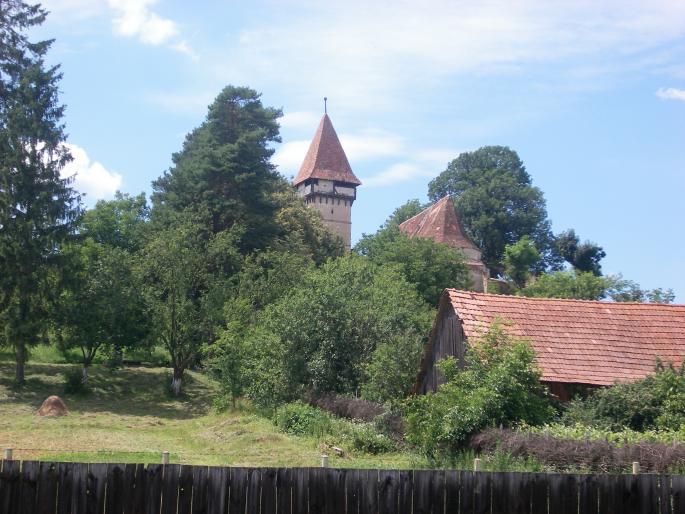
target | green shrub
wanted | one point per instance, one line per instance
(298, 418)
(365, 438)
(655, 402)
(500, 386)
(73, 381)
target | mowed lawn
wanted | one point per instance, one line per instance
(129, 417)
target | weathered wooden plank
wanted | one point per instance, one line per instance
(500, 490)
(139, 501)
(114, 497)
(128, 481)
(539, 494)
(10, 484)
(317, 486)
(368, 497)
(254, 489)
(26, 503)
(300, 491)
(64, 487)
(482, 492)
(438, 492)
(48, 475)
(153, 488)
(677, 492)
(388, 491)
(630, 500)
(406, 491)
(170, 473)
(284, 491)
(517, 494)
(588, 494)
(422, 503)
(452, 488)
(218, 480)
(200, 474)
(353, 491)
(665, 506)
(185, 490)
(563, 493)
(269, 501)
(649, 494)
(336, 480)
(467, 493)
(237, 497)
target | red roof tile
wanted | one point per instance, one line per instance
(582, 341)
(326, 158)
(440, 223)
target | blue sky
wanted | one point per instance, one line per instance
(591, 94)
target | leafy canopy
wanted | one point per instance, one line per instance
(497, 203)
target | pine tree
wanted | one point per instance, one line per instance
(38, 208)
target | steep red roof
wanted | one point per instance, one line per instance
(326, 158)
(440, 223)
(582, 341)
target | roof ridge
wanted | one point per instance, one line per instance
(570, 300)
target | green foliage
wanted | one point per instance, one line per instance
(567, 284)
(118, 223)
(298, 418)
(38, 208)
(497, 203)
(322, 335)
(655, 402)
(584, 257)
(430, 266)
(619, 437)
(519, 260)
(499, 386)
(408, 210)
(223, 176)
(74, 382)
(100, 304)
(620, 289)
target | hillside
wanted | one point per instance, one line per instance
(130, 417)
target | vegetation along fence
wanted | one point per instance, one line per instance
(74, 488)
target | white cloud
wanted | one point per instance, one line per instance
(400, 172)
(289, 156)
(363, 53)
(671, 93)
(134, 18)
(90, 177)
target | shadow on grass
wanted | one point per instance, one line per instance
(134, 391)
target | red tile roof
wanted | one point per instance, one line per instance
(440, 223)
(582, 341)
(326, 158)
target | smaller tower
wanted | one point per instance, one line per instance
(440, 223)
(326, 181)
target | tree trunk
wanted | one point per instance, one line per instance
(84, 373)
(20, 355)
(176, 381)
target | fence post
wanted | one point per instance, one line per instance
(636, 468)
(165, 457)
(324, 461)
(8, 454)
(476, 464)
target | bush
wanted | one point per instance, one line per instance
(365, 438)
(345, 407)
(581, 455)
(298, 418)
(655, 402)
(500, 386)
(73, 382)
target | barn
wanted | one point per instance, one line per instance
(578, 344)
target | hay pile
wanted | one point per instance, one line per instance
(53, 406)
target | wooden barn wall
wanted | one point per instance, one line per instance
(448, 342)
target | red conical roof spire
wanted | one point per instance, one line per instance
(440, 223)
(326, 158)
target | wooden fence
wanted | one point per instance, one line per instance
(74, 488)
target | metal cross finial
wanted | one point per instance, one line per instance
(325, 107)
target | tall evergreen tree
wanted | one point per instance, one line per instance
(223, 175)
(38, 208)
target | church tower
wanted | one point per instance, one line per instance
(326, 181)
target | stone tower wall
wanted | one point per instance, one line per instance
(336, 214)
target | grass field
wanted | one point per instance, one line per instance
(129, 417)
